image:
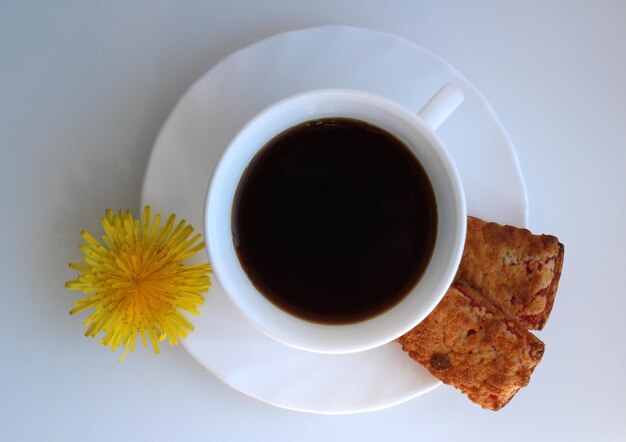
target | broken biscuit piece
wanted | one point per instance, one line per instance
(517, 271)
(468, 343)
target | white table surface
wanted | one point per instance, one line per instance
(84, 88)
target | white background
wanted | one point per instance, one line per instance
(84, 88)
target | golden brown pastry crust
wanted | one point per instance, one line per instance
(468, 343)
(517, 271)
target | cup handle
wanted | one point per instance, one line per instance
(441, 105)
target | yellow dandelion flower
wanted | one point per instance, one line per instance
(138, 282)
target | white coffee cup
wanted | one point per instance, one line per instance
(417, 132)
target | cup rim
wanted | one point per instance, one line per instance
(355, 342)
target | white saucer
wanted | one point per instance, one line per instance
(216, 107)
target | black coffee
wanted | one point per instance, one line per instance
(334, 220)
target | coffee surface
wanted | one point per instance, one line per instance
(334, 221)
